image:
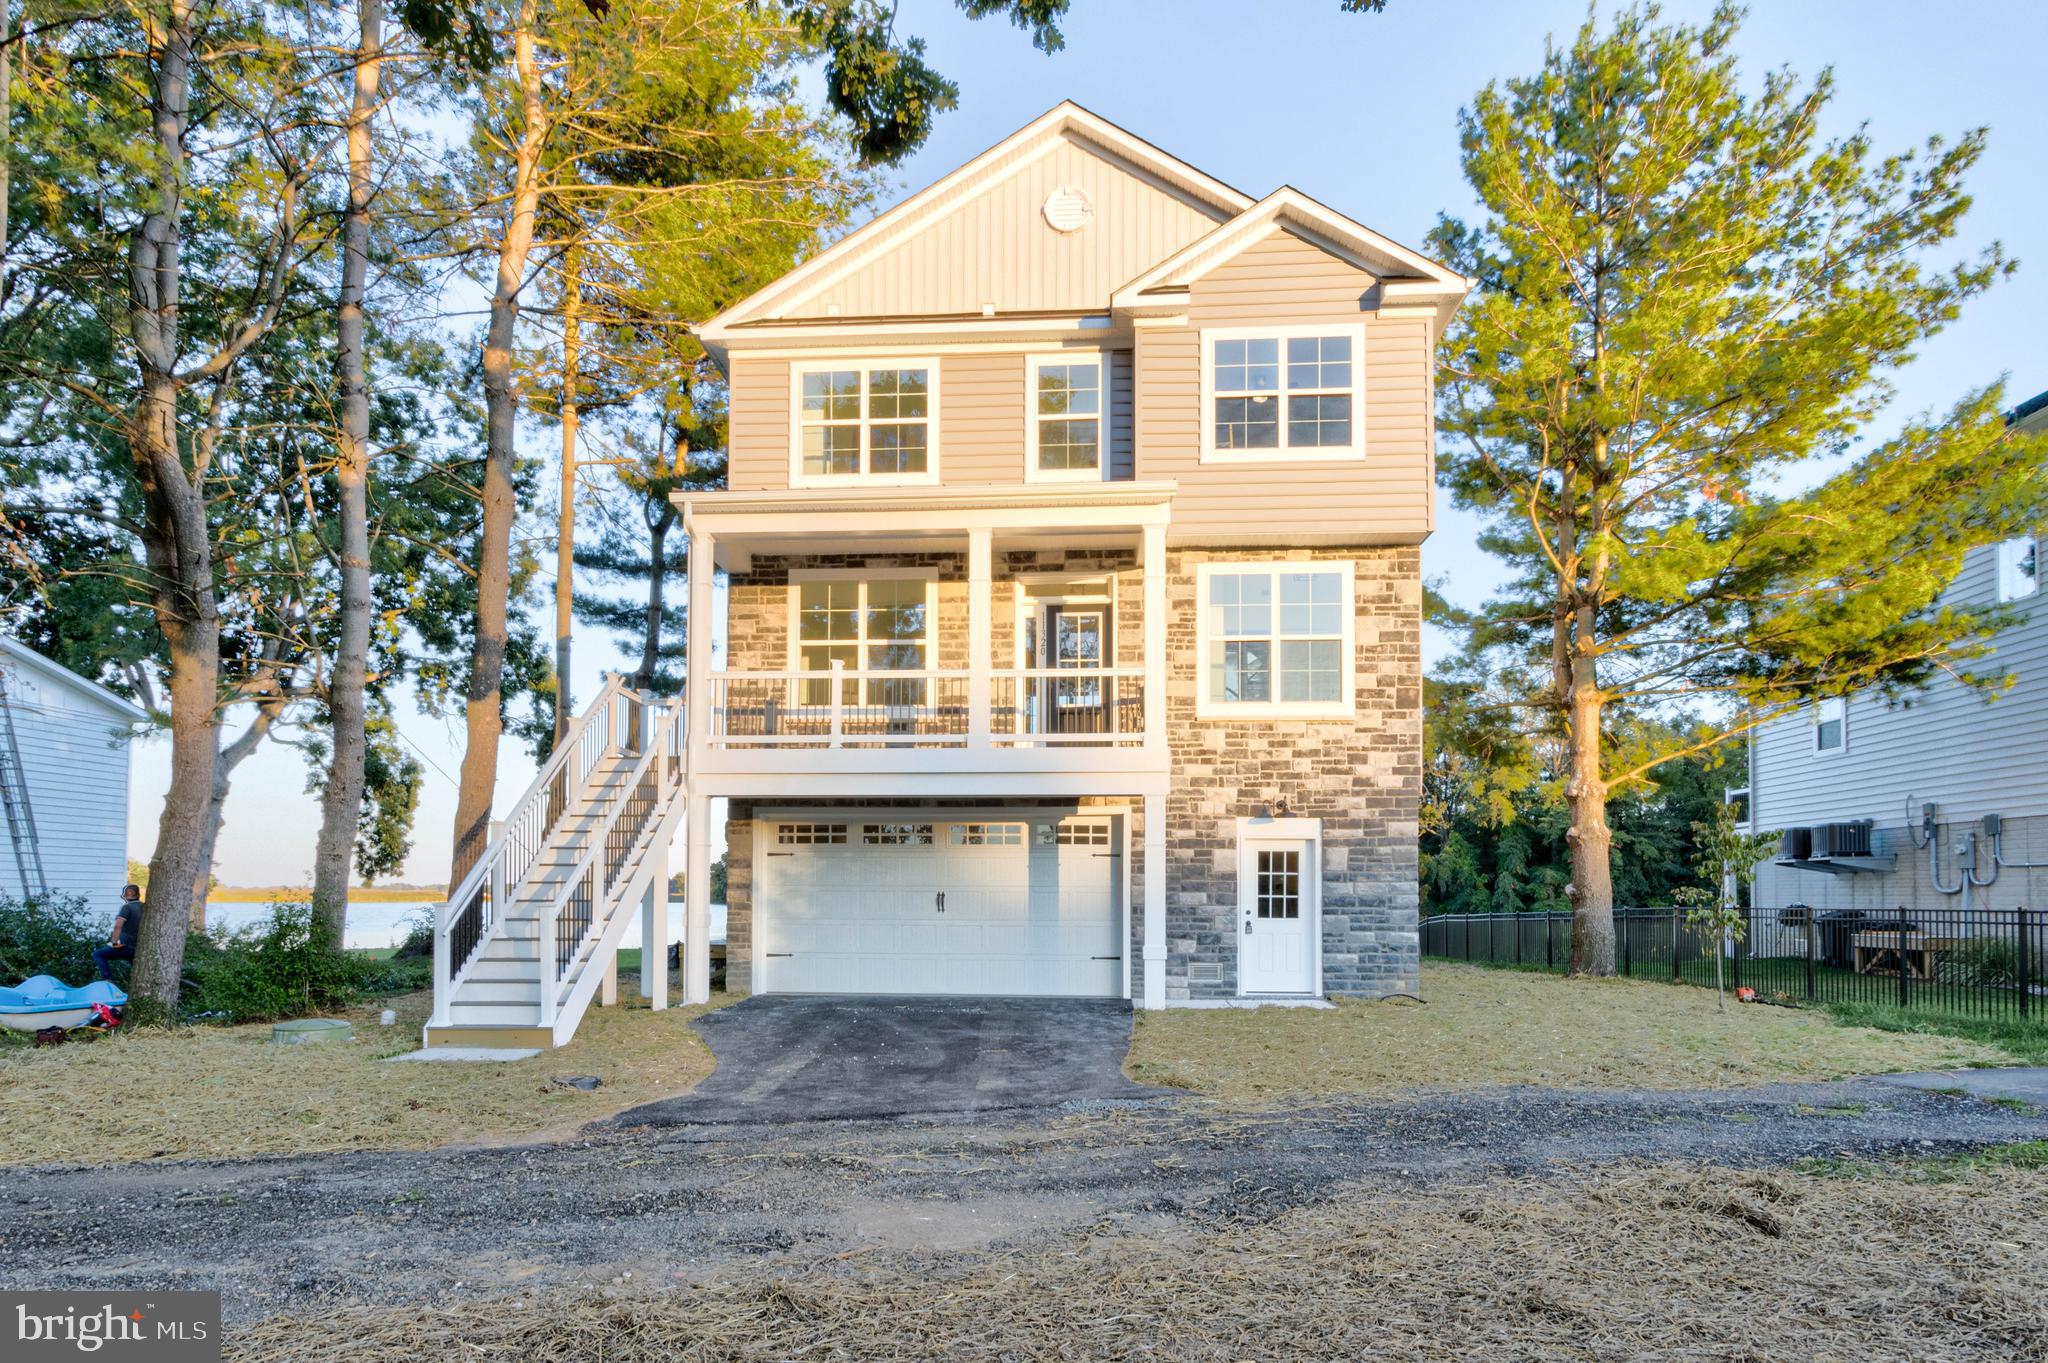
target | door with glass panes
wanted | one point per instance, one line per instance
(1278, 883)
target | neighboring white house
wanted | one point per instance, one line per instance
(67, 805)
(1934, 800)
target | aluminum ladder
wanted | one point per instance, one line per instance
(21, 816)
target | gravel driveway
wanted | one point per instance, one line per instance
(705, 1199)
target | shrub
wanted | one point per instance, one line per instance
(285, 968)
(53, 935)
(1982, 960)
(419, 937)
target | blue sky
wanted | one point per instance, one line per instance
(1361, 112)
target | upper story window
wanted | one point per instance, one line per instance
(2019, 569)
(1831, 725)
(874, 420)
(1287, 393)
(1275, 640)
(1063, 432)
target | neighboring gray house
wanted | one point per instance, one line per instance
(1927, 770)
(66, 805)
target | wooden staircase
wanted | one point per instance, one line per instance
(531, 933)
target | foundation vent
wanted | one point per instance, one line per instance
(1205, 972)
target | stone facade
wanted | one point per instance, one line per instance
(1362, 777)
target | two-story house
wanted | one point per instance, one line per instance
(1928, 802)
(1072, 636)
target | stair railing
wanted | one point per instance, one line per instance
(467, 918)
(583, 902)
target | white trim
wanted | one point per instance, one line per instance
(1283, 453)
(1329, 230)
(1293, 829)
(1033, 362)
(799, 576)
(865, 366)
(1820, 717)
(1343, 709)
(1255, 1001)
(961, 186)
(64, 676)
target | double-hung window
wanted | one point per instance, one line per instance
(1275, 639)
(877, 419)
(1063, 436)
(1289, 393)
(2019, 569)
(864, 624)
(1830, 725)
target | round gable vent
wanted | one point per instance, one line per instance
(1067, 209)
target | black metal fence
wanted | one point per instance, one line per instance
(1989, 963)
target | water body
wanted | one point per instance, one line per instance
(386, 924)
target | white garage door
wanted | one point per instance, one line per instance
(896, 904)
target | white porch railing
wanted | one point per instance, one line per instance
(847, 707)
(467, 919)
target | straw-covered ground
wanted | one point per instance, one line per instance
(214, 1092)
(1481, 1027)
(1929, 1263)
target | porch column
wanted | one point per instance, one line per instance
(654, 934)
(697, 679)
(1154, 564)
(1155, 897)
(697, 901)
(980, 586)
(608, 987)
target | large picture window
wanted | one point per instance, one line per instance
(2019, 569)
(1294, 393)
(876, 625)
(873, 420)
(1063, 434)
(1275, 639)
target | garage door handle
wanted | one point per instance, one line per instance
(942, 901)
(1105, 958)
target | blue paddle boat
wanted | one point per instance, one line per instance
(43, 1001)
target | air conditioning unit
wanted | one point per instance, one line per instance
(1795, 844)
(1851, 839)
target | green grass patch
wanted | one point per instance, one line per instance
(2029, 1156)
(2026, 1041)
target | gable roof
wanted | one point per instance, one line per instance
(1065, 120)
(1404, 275)
(15, 651)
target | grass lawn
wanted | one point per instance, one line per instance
(1484, 1026)
(226, 1091)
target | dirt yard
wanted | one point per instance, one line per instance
(1678, 1263)
(214, 1092)
(1479, 1027)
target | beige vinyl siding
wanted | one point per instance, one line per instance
(998, 249)
(982, 411)
(1285, 280)
(757, 452)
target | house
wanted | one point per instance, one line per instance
(1933, 802)
(1072, 629)
(63, 781)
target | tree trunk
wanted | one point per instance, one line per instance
(232, 755)
(176, 544)
(565, 528)
(341, 803)
(484, 711)
(657, 581)
(1590, 840)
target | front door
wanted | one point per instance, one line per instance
(1075, 638)
(1277, 887)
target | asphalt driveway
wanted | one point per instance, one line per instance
(791, 1058)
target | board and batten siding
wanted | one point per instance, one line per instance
(74, 755)
(997, 250)
(1284, 280)
(983, 408)
(1949, 744)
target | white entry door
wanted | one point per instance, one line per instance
(1278, 882)
(891, 903)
